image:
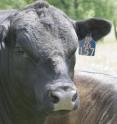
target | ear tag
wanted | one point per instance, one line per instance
(87, 46)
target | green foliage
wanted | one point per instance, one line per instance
(80, 9)
(65, 5)
(77, 9)
(7, 4)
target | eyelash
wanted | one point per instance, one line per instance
(72, 53)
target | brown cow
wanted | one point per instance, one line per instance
(98, 95)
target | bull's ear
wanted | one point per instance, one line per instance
(97, 27)
(4, 28)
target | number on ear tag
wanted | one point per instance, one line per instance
(87, 46)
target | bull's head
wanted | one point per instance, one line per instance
(37, 58)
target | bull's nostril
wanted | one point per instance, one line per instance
(53, 98)
(74, 97)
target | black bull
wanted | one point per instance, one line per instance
(37, 58)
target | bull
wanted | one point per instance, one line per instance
(37, 58)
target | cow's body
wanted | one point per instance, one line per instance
(37, 58)
(98, 97)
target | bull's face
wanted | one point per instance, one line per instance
(42, 59)
(40, 45)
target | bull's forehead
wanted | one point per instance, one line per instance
(49, 31)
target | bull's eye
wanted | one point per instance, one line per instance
(19, 51)
(72, 54)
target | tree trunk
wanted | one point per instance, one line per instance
(115, 28)
(75, 4)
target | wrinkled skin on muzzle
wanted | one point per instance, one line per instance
(37, 62)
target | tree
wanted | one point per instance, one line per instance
(17, 4)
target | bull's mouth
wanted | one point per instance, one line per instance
(60, 112)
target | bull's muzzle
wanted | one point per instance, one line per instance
(63, 96)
